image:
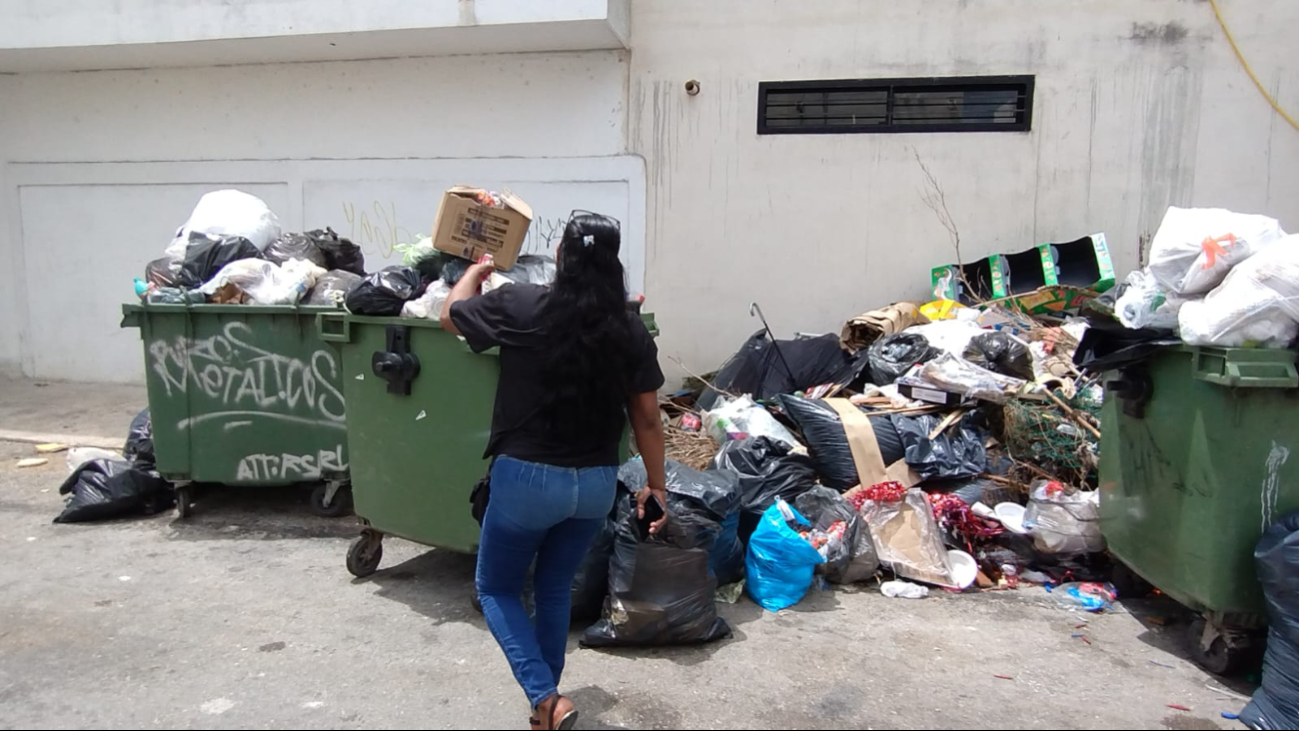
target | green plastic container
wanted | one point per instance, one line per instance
(419, 417)
(1195, 464)
(244, 395)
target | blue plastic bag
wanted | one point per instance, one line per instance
(780, 562)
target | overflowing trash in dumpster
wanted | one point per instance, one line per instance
(926, 448)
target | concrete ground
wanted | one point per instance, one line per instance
(245, 617)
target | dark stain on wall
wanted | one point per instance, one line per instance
(1171, 33)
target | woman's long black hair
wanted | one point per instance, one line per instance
(589, 355)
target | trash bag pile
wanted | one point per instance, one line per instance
(232, 250)
(103, 485)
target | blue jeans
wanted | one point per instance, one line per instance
(551, 514)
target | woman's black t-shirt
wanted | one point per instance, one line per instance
(509, 317)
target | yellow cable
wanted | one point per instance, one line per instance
(1241, 57)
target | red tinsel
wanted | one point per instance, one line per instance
(884, 492)
(952, 513)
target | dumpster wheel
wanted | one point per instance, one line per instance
(365, 553)
(340, 502)
(1220, 651)
(184, 501)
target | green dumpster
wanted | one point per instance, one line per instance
(418, 420)
(1194, 466)
(244, 395)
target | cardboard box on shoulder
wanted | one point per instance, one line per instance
(468, 228)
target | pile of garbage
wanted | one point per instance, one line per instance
(232, 250)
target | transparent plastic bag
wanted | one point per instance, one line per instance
(266, 283)
(907, 538)
(1257, 304)
(331, 288)
(950, 373)
(429, 305)
(1064, 520)
(1194, 248)
(741, 418)
(1146, 304)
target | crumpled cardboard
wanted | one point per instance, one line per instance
(907, 539)
(866, 328)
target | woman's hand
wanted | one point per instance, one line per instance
(651, 493)
(478, 273)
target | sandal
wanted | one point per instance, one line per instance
(567, 716)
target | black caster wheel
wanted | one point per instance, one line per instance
(1221, 656)
(341, 504)
(478, 603)
(1128, 583)
(364, 555)
(184, 502)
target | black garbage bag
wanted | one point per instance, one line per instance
(112, 488)
(1001, 353)
(660, 587)
(767, 470)
(162, 272)
(850, 556)
(1108, 345)
(453, 268)
(1276, 704)
(715, 494)
(959, 451)
(339, 252)
(206, 255)
(332, 288)
(139, 442)
(591, 583)
(893, 355)
(295, 246)
(384, 292)
(828, 442)
(758, 368)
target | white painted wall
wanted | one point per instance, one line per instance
(1138, 106)
(100, 168)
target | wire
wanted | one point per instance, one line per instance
(1241, 57)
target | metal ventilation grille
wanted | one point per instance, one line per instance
(960, 104)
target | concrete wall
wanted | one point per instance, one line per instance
(1138, 106)
(99, 168)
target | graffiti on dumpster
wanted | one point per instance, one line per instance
(294, 467)
(248, 381)
(1272, 482)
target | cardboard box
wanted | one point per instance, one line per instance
(468, 229)
(1049, 278)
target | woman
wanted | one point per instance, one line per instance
(576, 364)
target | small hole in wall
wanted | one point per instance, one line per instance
(692, 87)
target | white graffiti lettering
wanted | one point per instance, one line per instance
(250, 381)
(291, 467)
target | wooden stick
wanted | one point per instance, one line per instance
(703, 380)
(1072, 414)
(945, 423)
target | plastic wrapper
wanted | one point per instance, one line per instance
(1276, 557)
(1001, 353)
(781, 562)
(763, 369)
(227, 214)
(138, 449)
(1089, 596)
(959, 451)
(1257, 304)
(428, 305)
(951, 336)
(903, 590)
(907, 538)
(713, 494)
(949, 373)
(413, 254)
(101, 489)
(660, 587)
(893, 355)
(164, 272)
(294, 246)
(529, 269)
(1063, 520)
(741, 418)
(331, 288)
(384, 292)
(828, 443)
(266, 283)
(206, 256)
(1144, 303)
(768, 470)
(852, 556)
(1194, 248)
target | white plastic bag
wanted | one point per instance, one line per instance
(741, 418)
(428, 305)
(903, 589)
(1194, 248)
(1258, 303)
(229, 213)
(1146, 304)
(266, 283)
(952, 336)
(78, 456)
(1062, 521)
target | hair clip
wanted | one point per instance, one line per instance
(588, 240)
